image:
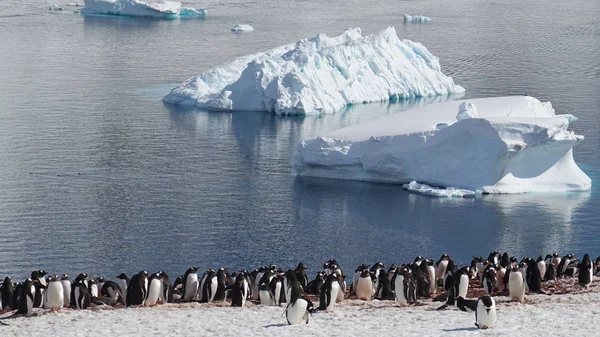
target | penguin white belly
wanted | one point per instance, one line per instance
(287, 290)
(54, 296)
(364, 288)
(154, 292)
(399, 287)
(30, 303)
(66, 293)
(256, 286)
(432, 282)
(94, 290)
(265, 298)
(340, 292)
(463, 286)
(123, 285)
(213, 289)
(335, 289)
(516, 288)
(277, 293)
(500, 278)
(191, 287)
(542, 268)
(440, 270)
(296, 313)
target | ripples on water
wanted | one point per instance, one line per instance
(98, 175)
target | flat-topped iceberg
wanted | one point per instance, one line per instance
(242, 28)
(416, 18)
(320, 75)
(513, 144)
(164, 10)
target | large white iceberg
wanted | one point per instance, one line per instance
(320, 75)
(142, 8)
(516, 144)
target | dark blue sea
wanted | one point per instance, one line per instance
(98, 175)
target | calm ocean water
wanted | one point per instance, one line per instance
(98, 175)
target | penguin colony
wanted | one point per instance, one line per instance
(405, 284)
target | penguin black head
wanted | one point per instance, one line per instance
(365, 273)
(81, 277)
(300, 267)
(193, 269)
(64, 277)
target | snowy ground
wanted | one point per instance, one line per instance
(540, 315)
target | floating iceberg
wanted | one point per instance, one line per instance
(416, 18)
(320, 75)
(164, 10)
(242, 28)
(448, 192)
(516, 144)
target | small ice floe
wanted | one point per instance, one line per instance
(55, 8)
(242, 28)
(447, 192)
(416, 18)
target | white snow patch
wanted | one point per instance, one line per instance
(516, 145)
(142, 8)
(448, 192)
(242, 28)
(320, 75)
(466, 110)
(416, 18)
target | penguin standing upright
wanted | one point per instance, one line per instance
(431, 276)
(461, 283)
(292, 289)
(298, 310)
(485, 315)
(190, 284)
(266, 295)
(385, 291)
(155, 290)
(8, 294)
(490, 281)
(550, 273)
(167, 292)
(541, 265)
(405, 288)
(301, 275)
(364, 286)
(66, 284)
(329, 292)
(55, 296)
(81, 294)
(93, 286)
(137, 291)
(209, 288)
(26, 298)
(586, 271)
(564, 264)
(440, 267)
(239, 291)
(356, 276)
(314, 287)
(221, 284)
(123, 282)
(516, 286)
(421, 281)
(37, 277)
(276, 287)
(533, 277)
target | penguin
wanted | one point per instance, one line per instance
(466, 305)
(421, 281)
(257, 276)
(137, 290)
(93, 288)
(533, 276)
(239, 291)
(364, 286)
(385, 291)
(329, 292)
(178, 288)
(26, 298)
(556, 261)
(247, 282)
(342, 283)
(265, 295)
(37, 277)
(586, 271)
(123, 282)
(440, 267)
(474, 271)
(490, 281)
(461, 284)
(66, 284)
(314, 287)
(541, 265)
(209, 288)
(8, 295)
(167, 293)
(597, 266)
(377, 268)
(276, 287)
(112, 291)
(221, 284)
(301, 275)
(298, 310)
(405, 288)
(516, 286)
(505, 260)
(564, 264)
(55, 296)
(494, 258)
(485, 316)
(291, 286)
(550, 273)
(190, 284)
(155, 289)
(500, 273)
(81, 294)
(81, 278)
(449, 277)
(356, 277)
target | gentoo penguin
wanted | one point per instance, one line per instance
(385, 291)
(190, 284)
(298, 310)
(364, 286)
(221, 284)
(291, 286)
(485, 316)
(550, 273)
(377, 268)
(239, 291)
(209, 288)
(421, 281)
(257, 276)
(314, 287)
(276, 287)
(301, 275)
(81, 278)
(265, 295)
(37, 277)
(112, 291)
(440, 268)
(26, 298)
(461, 282)
(55, 296)
(81, 294)
(466, 305)
(586, 271)
(490, 281)
(505, 260)
(94, 291)
(516, 286)
(178, 288)
(356, 276)
(494, 258)
(449, 277)
(66, 284)
(564, 263)
(474, 272)
(8, 294)
(597, 266)
(533, 277)
(556, 261)
(123, 282)
(137, 291)
(405, 288)
(431, 276)
(541, 265)
(155, 289)
(167, 293)
(329, 292)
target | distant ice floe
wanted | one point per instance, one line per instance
(242, 28)
(55, 8)
(141, 8)
(447, 192)
(513, 144)
(416, 18)
(320, 75)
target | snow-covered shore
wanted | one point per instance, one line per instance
(540, 315)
